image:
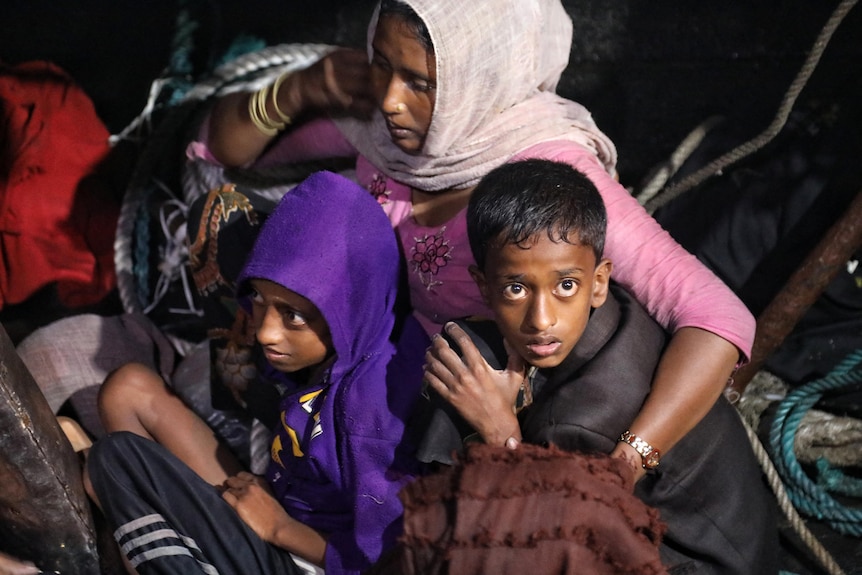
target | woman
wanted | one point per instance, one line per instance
(454, 89)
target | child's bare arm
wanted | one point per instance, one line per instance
(135, 398)
(252, 499)
(485, 397)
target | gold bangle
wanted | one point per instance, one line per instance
(254, 113)
(262, 112)
(287, 120)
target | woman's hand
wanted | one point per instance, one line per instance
(482, 395)
(337, 84)
(691, 376)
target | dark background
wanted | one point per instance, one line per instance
(649, 71)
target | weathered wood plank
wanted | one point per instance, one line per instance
(45, 515)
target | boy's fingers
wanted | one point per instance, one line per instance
(440, 354)
(439, 369)
(447, 388)
(469, 352)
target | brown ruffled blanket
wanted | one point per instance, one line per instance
(534, 510)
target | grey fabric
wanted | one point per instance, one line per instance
(70, 358)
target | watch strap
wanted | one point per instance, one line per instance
(650, 456)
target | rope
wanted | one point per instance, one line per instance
(809, 497)
(255, 70)
(666, 170)
(716, 166)
(784, 503)
(176, 76)
(132, 243)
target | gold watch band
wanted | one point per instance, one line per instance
(650, 456)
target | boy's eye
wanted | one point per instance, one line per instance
(567, 288)
(293, 317)
(256, 298)
(514, 292)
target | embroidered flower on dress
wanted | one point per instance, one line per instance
(429, 254)
(378, 189)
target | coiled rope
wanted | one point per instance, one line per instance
(245, 72)
(716, 166)
(784, 503)
(809, 497)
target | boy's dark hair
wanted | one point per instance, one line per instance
(411, 18)
(518, 200)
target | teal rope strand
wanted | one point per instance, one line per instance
(141, 263)
(240, 46)
(807, 496)
(180, 69)
(180, 73)
(834, 480)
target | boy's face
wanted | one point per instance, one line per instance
(291, 329)
(541, 293)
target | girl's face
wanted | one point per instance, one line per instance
(290, 328)
(404, 79)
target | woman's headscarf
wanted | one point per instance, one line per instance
(498, 64)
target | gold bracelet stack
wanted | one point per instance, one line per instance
(260, 116)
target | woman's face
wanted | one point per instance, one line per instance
(404, 78)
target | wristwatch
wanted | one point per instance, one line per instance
(650, 456)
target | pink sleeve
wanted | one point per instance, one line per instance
(317, 139)
(671, 283)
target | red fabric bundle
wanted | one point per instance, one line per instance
(57, 216)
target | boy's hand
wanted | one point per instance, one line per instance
(252, 499)
(482, 395)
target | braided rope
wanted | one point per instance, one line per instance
(666, 170)
(747, 148)
(254, 70)
(811, 498)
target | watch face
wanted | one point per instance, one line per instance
(651, 460)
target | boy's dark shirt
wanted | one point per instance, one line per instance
(708, 489)
(606, 367)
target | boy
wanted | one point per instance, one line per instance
(569, 360)
(320, 284)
